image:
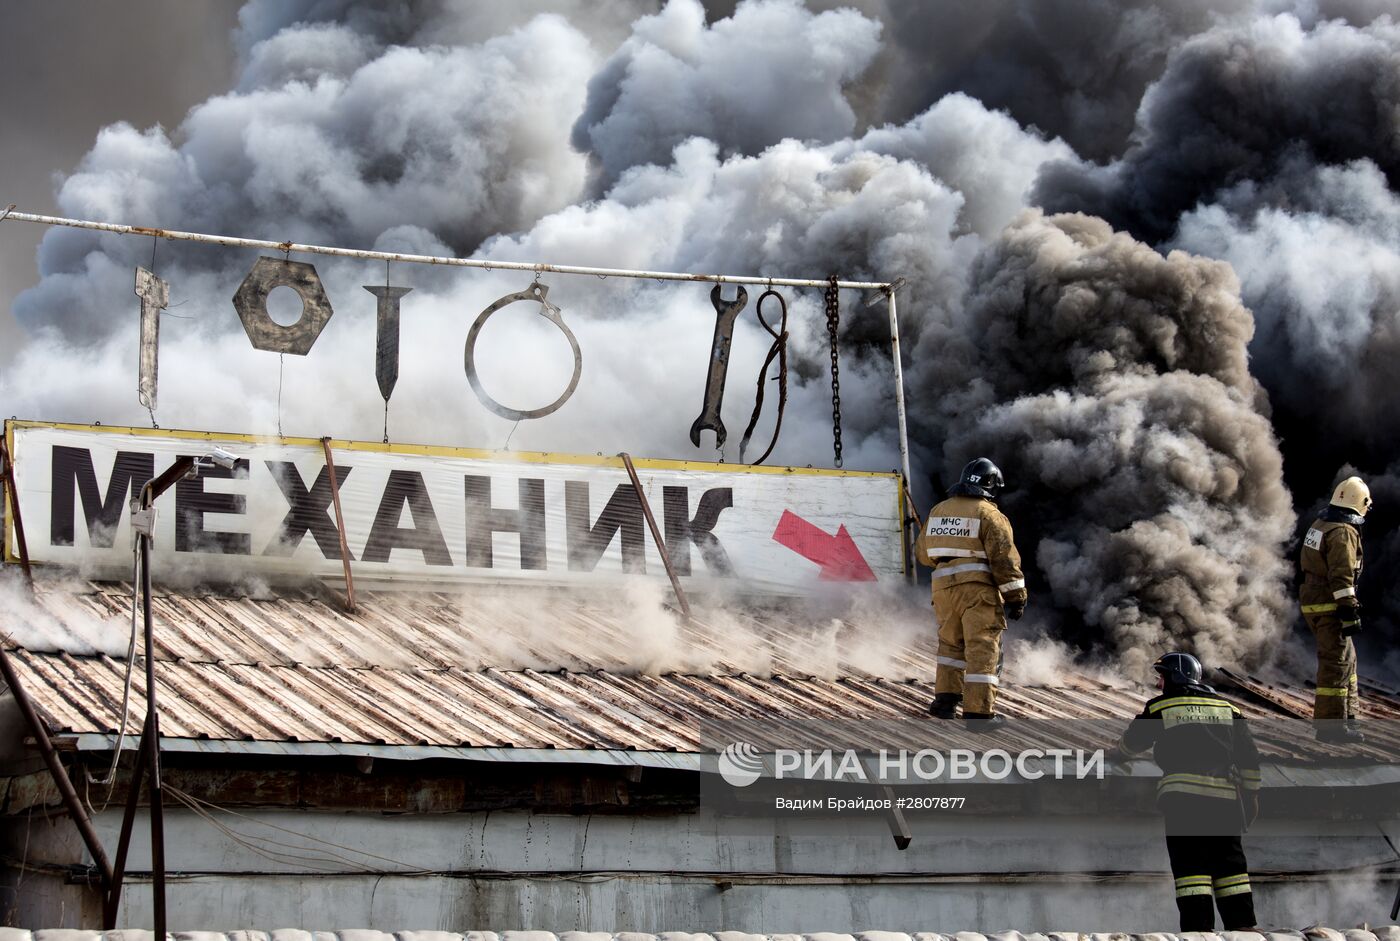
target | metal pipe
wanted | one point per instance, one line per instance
(56, 769)
(151, 736)
(152, 741)
(917, 522)
(285, 247)
(656, 535)
(7, 477)
(340, 527)
(113, 902)
(899, 400)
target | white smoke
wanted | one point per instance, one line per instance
(1316, 249)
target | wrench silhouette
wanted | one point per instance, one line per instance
(727, 312)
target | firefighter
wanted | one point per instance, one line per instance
(1331, 563)
(977, 586)
(1208, 793)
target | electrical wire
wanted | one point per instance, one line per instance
(111, 776)
(202, 808)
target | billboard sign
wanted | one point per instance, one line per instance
(435, 513)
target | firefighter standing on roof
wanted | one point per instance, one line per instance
(1208, 794)
(977, 586)
(1331, 563)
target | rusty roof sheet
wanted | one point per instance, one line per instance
(556, 671)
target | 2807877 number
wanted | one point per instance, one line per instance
(930, 803)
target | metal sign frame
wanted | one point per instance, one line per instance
(887, 288)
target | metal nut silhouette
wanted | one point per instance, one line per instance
(251, 303)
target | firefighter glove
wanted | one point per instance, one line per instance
(1349, 613)
(1014, 610)
(1251, 807)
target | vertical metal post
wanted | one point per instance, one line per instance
(340, 525)
(899, 403)
(152, 745)
(114, 892)
(151, 735)
(56, 769)
(7, 477)
(656, 535)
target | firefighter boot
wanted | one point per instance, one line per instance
(982, 722)
(1337, 732)
(944, 705)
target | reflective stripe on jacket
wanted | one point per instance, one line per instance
(967, 539)
(1201, 742)
(1331, 562)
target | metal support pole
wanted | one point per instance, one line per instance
(7, 477)
(56, 769)
(899, 404)
(112, 904)
(151, 735)
(656, 535)
(894, 816)
(340, 527)
(151, 741)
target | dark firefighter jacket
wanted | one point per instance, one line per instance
(1331, 561)
(1201, 742)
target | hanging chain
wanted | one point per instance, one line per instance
(833, 323)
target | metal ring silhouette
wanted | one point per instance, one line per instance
(535, 292)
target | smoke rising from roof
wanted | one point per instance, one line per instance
(1272, 145)
(1140, 463)
(1115, 384)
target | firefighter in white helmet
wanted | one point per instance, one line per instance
(1331, 563)
(977, 586)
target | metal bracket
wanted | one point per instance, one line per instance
(539, 293)
(143, 523)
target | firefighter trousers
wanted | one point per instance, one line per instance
(970, 624)
(1211, 872)
(1335, 697)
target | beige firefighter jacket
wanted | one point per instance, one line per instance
(967, 539)
(1331, 561)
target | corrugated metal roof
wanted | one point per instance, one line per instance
(434, 669)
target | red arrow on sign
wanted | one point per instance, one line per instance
(838, 555)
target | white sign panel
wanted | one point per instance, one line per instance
(442, 513)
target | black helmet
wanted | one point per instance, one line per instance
(980, 478)
(1179, 669)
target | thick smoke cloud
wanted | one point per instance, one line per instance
(771, 71)
(1076, 69)
(1145, 476)
(1234, 105)
(1318, 252)
(1273, 145)
(430, 141)
(1111, 381)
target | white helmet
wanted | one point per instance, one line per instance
(1354, 495)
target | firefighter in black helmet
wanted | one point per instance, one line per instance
(977, 586)
(1208, 794)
